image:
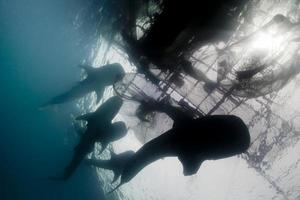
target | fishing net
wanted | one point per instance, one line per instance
(252, 75)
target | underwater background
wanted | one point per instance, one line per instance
(41, 44)
(39, 50)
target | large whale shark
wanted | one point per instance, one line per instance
(191, 140)
(99, 129)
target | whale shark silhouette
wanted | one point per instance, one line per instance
(191, 140)
(115, 164)
(97, 79)
(99, 129)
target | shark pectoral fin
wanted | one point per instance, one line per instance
(119, 185)
(85, 117)
(117, 174)
(191, 164)
(99, 94)
(87, 68)
(116, 171)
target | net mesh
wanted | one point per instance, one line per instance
(266, 101)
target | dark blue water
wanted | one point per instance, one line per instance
(39, 51)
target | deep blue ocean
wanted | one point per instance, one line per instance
(39, 51)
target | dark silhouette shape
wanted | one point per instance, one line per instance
(149, 105)
(99, 129)
(202, 20)
(247, 74)
(192, 141)
(97, 79)
(168, 45)
(115, 164)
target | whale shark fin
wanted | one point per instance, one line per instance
(191, 164)
(85, 117)
(116, 171)
(117, 174)
(119, 185)
(87, 68)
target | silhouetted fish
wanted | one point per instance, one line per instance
(116, 163)
(192, 141)
(99, 129)
(97, 79)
